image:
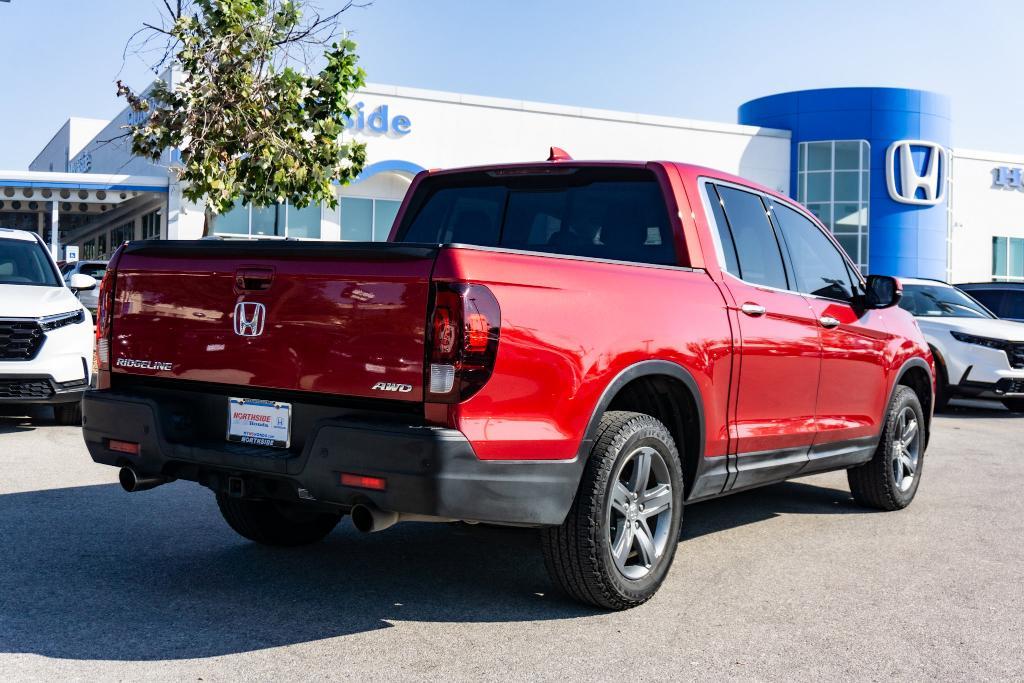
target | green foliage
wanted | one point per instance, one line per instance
(247, 123)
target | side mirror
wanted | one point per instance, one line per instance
(884, 291)
(80, 282)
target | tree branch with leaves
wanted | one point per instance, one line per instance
(249, 114)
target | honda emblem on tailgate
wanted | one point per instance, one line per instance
(249, 318)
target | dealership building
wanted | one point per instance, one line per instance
(878, 166)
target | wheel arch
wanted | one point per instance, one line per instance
(666, 391)
(916, 374)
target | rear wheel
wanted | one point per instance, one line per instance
(1014, 405)
(890, 479)
(68, 413)
(617, 543)
(279, 523)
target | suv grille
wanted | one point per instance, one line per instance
(20, 339)
(1016, 354)
(25, 388)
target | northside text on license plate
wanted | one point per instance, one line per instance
(259, 423)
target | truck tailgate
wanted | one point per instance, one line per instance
(341, 319)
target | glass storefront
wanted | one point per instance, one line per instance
(1008, 259)
(833, 183)
(279, 220)
(151, 226)
(366, 220)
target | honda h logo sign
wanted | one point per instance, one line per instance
(249, 318)
(906, 185)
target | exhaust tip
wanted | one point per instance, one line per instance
(131, 481)
(367, 519)
(362, 518)
(128, 479)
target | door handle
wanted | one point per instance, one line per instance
(828, 322)
(753, 310)
(254, 279)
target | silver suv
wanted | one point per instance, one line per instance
(94, 269)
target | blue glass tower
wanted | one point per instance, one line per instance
(906, 234)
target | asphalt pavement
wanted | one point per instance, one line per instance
(791, 582)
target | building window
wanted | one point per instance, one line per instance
(101, 246)
(1008, 259)
(121, 234)
(366, 220)
(279, 220)
(832, 181)
(151, 226)
(89, 249)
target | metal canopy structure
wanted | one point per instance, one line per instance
(63, 207)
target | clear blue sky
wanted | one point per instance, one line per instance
(675, 57)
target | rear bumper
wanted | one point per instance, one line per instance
(429, 470)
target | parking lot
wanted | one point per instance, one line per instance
(792, 581)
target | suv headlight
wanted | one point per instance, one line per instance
(53, 322)
(997, 344)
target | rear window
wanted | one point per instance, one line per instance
(614, 214)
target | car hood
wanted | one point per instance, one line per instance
(26, 301)
(1006, 330)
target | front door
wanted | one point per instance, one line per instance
(852, 389)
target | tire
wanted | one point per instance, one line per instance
(277, 523)
(890, 479)
(942, 394)
(68, 413)
(1014, 405)
(606, 521)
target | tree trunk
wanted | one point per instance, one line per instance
(209, 218)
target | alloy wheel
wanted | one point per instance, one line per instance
(906, 449)
(639, 512)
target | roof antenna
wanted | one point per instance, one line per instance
(559, 154)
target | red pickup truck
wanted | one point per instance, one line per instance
(581, 347)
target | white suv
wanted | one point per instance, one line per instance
(46, 335)
(976, 354)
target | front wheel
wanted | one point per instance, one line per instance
(890, 479)
(279, 523)
(1014, 405)
(617, 543)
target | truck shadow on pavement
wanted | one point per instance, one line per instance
(94, 573)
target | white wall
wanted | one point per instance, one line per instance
(75, 134)
(449, 130)
(981, 211)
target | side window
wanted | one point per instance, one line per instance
(760, 259)
(820, 269)
(731, 260)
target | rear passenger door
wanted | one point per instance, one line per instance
(779, 350)
(852, 390)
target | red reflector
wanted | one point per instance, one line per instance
(123, 447)
(359, 481)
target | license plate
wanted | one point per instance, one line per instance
(259, 423)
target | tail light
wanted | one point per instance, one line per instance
(462, 341)
(104, 323)
(104, 313)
